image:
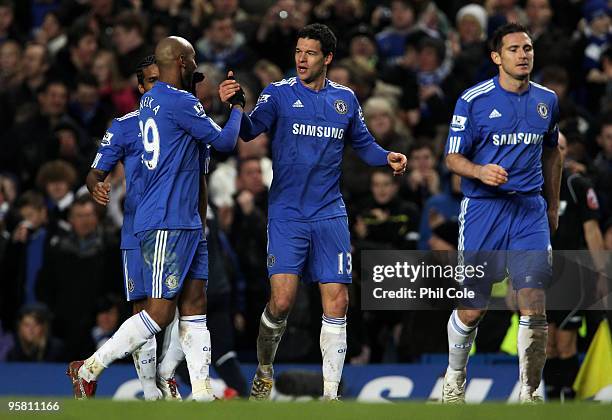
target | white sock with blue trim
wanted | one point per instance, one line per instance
(531, 344)
(195, 341)
(460, 340)
(172, 352)
(145, 363)
(132, 334)
(333, 349)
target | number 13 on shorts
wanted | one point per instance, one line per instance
(342, 268)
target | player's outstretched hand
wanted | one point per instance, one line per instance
(230, 91)
(492, 174)
(101, 193)
(397, 162)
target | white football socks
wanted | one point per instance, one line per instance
(172, 352)
(195, 342)
(460, 340)
(333, 349)
(132, 334)
(531, 342)
(145, 362)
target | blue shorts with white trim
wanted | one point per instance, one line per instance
(170, 256)
(133, 279)
(511, 233)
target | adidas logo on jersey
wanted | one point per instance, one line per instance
(298, 104)
(494, 114)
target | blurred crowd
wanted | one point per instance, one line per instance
(67, 68)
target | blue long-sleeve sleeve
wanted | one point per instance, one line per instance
(226, 141)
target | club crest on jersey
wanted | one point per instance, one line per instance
(340, 107)
(106, 140)
(172, 282)
(543, 110)
(271, 260)
(458, 123)
(130, 285)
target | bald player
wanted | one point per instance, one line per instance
(172, 124)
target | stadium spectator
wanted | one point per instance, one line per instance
(56, 179)
(112, 86)
(52, 34)
(10, 65)
(108, 316)
(21, 101)
(550, 43)
(24, 254)
(77, 57)
(88, 109)
(597, 33)
(8, 28)
(79, 266)
(129, 42)
(422, 180)
(388, 131)
(222, 46)
(468, 45)
(33, 340)
(391, 40)
(33, 142)
(603, 166)
(278, 30)
(385, 221)
(439, 209)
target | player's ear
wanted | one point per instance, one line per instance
(141, 89)
(496, 58)
(328, 59)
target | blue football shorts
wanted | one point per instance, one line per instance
(510, 236)
(317, 251)
(170, 256)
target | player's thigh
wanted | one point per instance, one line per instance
(167, 257)
(330, 260)
(133, 276)
(529, 251)
(288, 247)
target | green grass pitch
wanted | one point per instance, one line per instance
(226, 410)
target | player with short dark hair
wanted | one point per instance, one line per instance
(503, 143)
(309, 118)
(175, 260)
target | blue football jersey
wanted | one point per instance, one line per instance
(172, 123)
(492, 125)
(308, 130)
(122, 143)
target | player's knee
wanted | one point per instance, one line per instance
(162, 316)
(471, 317)
(280, 305)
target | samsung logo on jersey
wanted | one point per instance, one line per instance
(318, 131)
(517, 138)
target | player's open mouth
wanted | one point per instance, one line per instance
(302, 69)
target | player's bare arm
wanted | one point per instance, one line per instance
(552, 166)
(99, 189)
(489, 174)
